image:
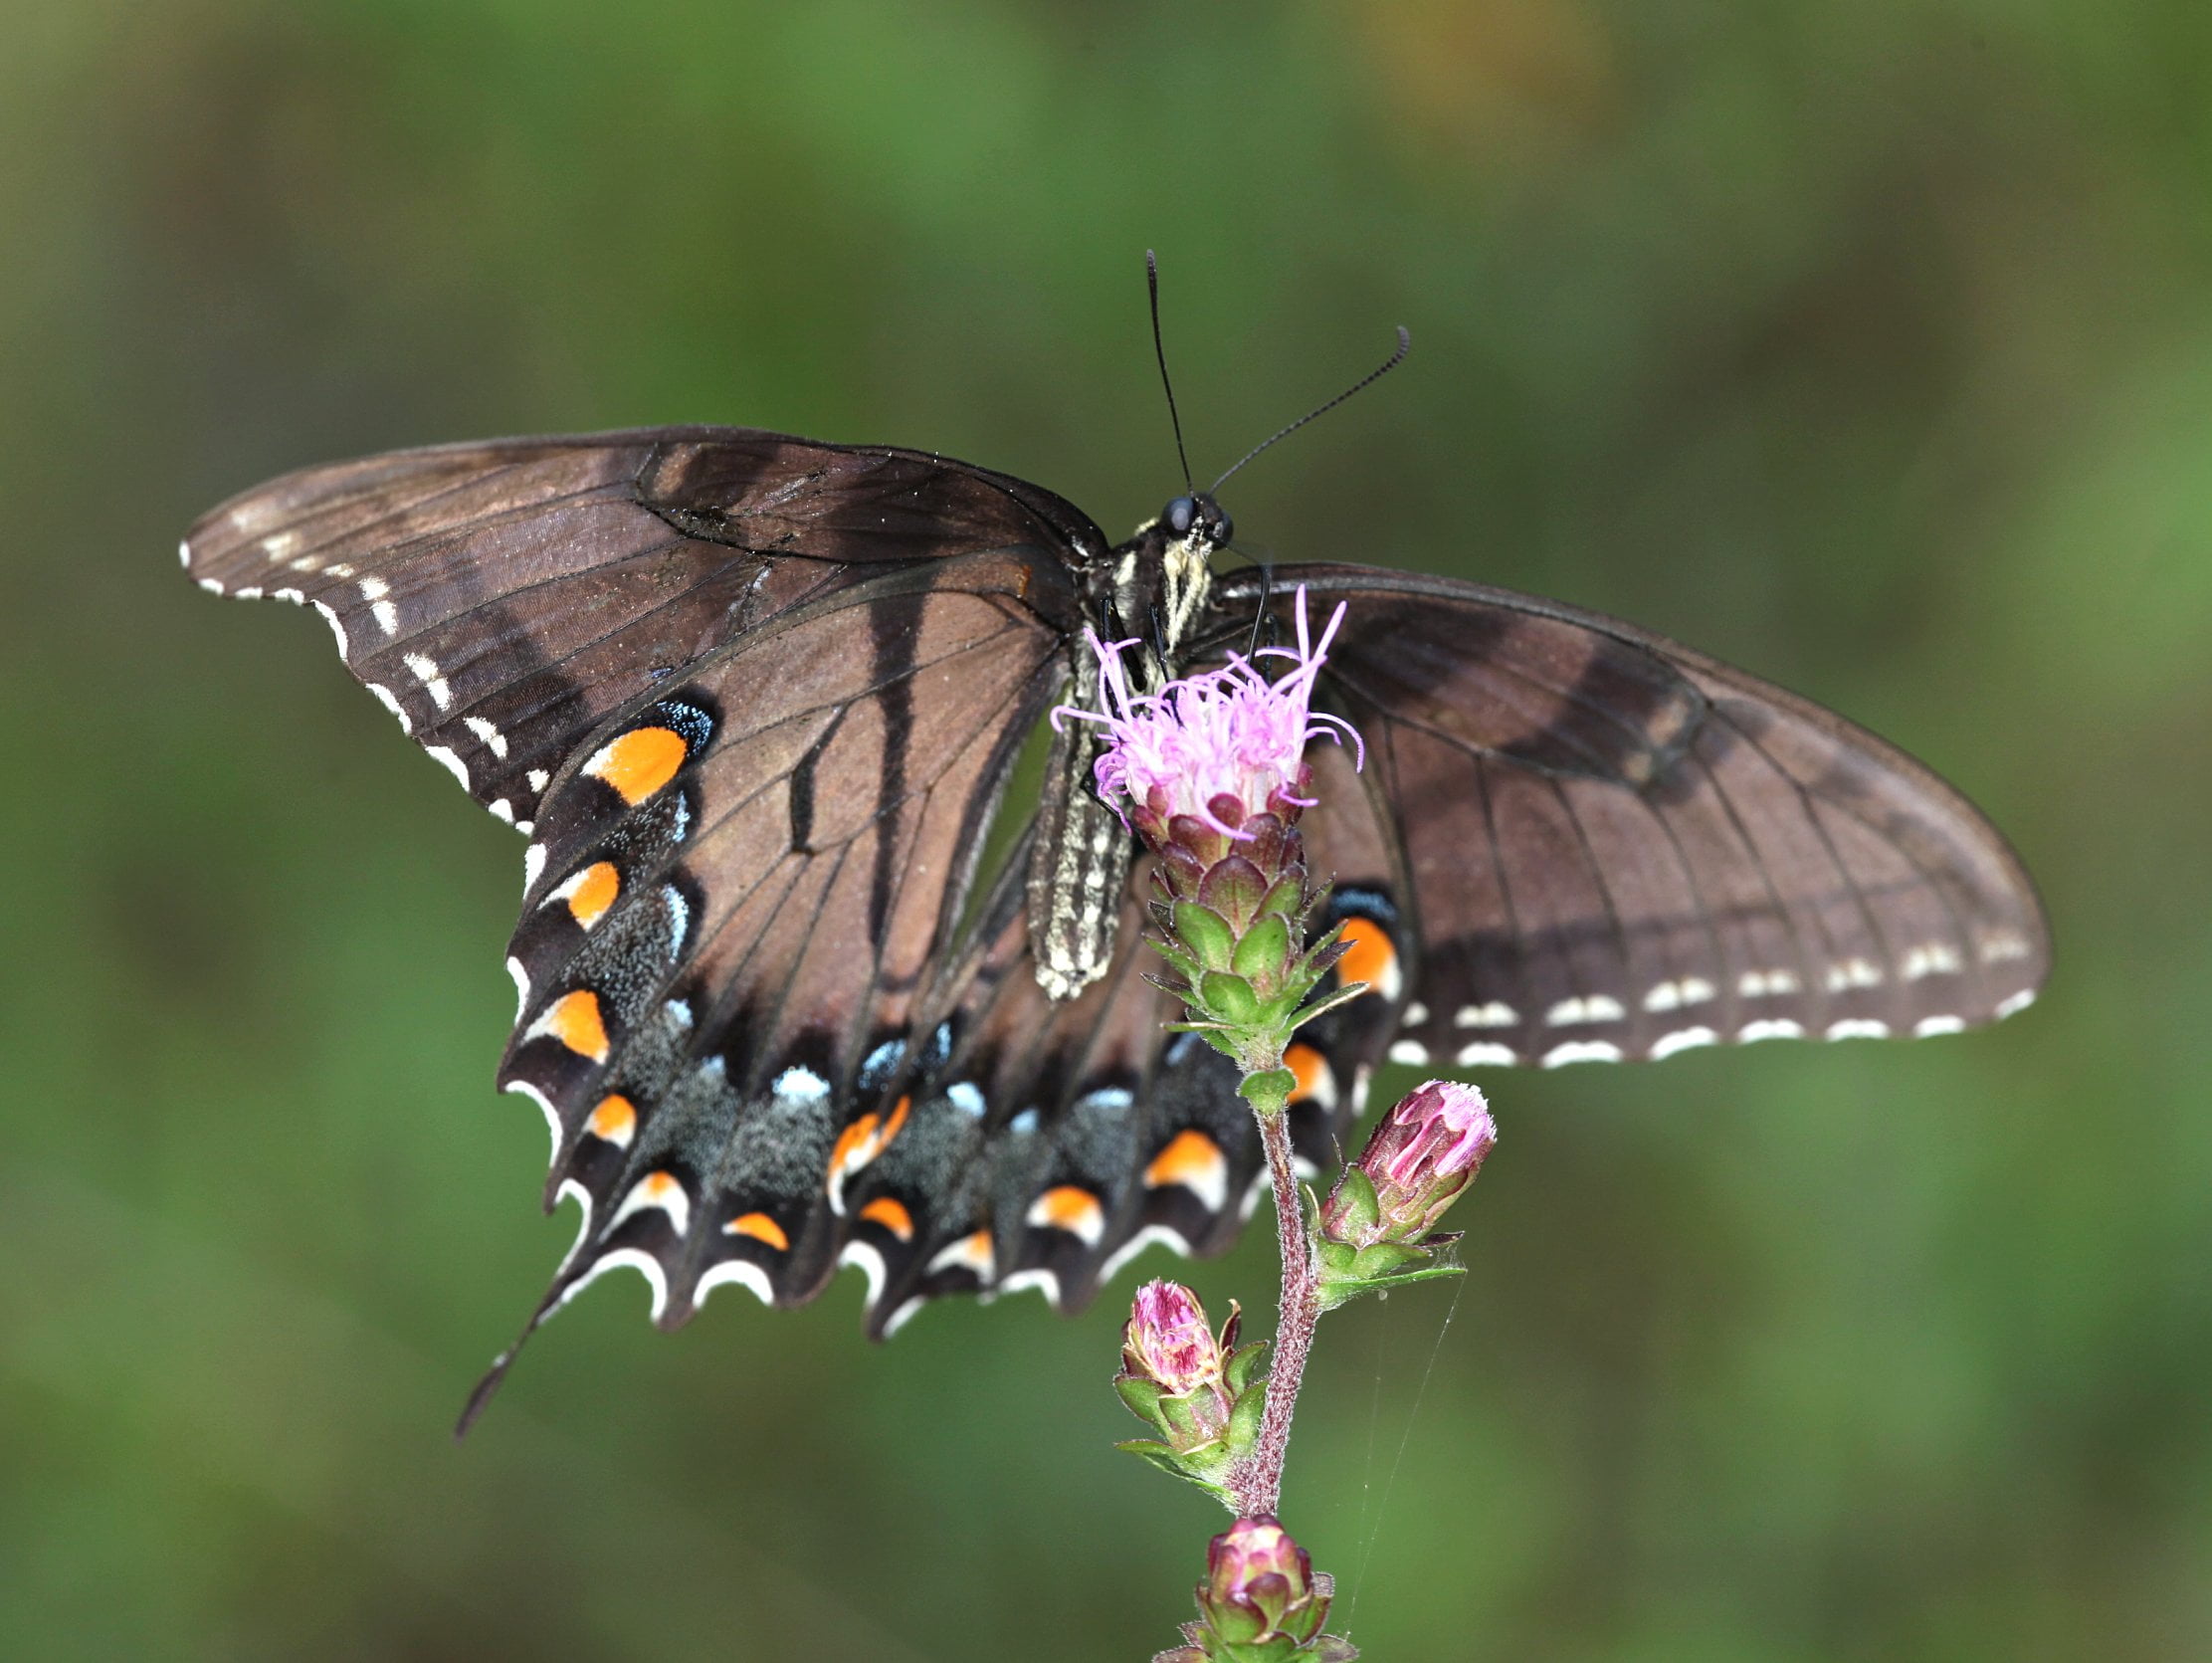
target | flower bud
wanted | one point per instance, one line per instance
(1167, 1340)
(1261, 1597)
(1192, 1386)
(1426, 1150)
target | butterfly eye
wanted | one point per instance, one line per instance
(1182, 515)
(1224, 527)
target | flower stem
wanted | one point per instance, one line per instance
(1257, 1486)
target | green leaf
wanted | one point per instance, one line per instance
(1264, 950)
(1243, 1430)
(1236, 1372)
(1356, 1203)
(1142, 1397)
(1228, 998)
(1205, 932)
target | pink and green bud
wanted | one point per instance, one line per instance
(1168, 1341)
(1261, 1600)
(1192, 1386)
(1376, 1226)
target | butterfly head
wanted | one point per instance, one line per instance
(1161, 579)
(1197, 516)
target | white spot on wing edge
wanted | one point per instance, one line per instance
(903, 1316)
(1780, 1027)
(1930, 1026)
(657, 1189)
(450, 762)
(1857, 1027)
(522, 986)
(1044, 1281)
(871, 1265)
(747, 1275)
(523, 1088)
(1409, 1051)
(634, 1259)
(384, 696)
(211, 585)
(1682, 1039)
(534, 866)
(1581, 1051)
(968, 1254)
(1484, 1054)
(338, 627)
(1152, 1235)
(184, 552)
(2015, 1003)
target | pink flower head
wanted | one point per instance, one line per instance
(1426, 1150)
(1167, 1340)
(1226, 732)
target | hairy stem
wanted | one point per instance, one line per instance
(1257, 1485)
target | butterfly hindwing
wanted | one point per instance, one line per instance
(1613, 847)
(745, 893)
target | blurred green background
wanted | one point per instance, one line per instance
(1868, 343)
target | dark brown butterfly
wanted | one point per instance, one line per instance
(756, 703)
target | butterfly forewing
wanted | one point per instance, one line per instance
(504, 599)
(1617, 848)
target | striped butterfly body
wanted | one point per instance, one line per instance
(756, 703)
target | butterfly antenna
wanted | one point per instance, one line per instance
(1405, 346)
(1153, 284)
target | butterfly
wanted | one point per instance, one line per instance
(803, 980)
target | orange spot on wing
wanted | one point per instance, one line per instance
(592, 890)
(760, 1227)
(1309, 1068)
(1189, 1155)
(866, 1139)
(892, 1214)
(1071, 1208)
(854, 1147)
(1372, 960)
(615, 1120)
(639, 763)
(574, 1020)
